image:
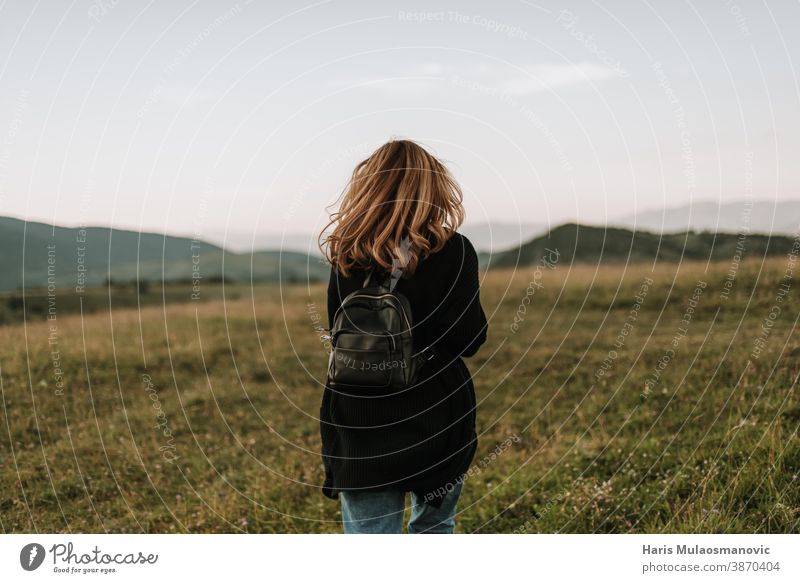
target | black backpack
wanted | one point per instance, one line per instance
(372, 342)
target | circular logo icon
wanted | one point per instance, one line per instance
(31, 556)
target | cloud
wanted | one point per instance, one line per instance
(422, 78)
(551, 76)
(425, 78)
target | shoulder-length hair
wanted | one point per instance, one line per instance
(401, 200)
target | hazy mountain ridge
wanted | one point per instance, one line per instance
(38, 255)
(589, 244)
(488, 236)
(780, 217)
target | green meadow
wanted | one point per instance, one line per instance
(620, 398)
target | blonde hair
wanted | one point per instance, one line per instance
(400, 198)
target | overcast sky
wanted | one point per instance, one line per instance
(194, 117)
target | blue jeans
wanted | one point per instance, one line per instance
(382, 513)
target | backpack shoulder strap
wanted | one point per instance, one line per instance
(371, 279)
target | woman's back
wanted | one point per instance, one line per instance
(402, 207)
(422, 438)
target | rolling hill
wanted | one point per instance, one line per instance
(589, 244)
(35, 255)
(38, 255)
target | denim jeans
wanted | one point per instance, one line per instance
(382, 513)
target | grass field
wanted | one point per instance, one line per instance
(594, 416)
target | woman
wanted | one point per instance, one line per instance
(402, 207)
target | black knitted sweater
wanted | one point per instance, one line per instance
(421, 439)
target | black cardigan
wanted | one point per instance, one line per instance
(421, 439)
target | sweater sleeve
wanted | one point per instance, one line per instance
(462, 324)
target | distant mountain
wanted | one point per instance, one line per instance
(782, 217)
(499, 236)
(590, 244)
(245, 242)
(492, 236)
(37, 254)
(732, 217)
